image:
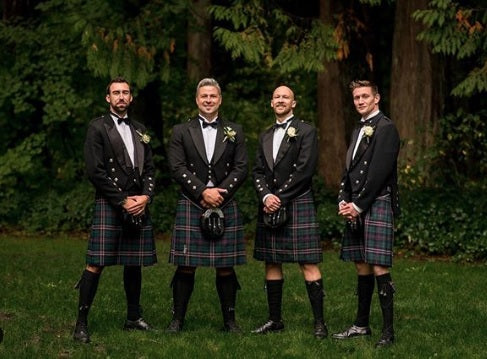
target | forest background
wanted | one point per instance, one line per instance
(429, 59)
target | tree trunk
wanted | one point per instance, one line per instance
(331, 116)
(199, 40)
(416, 85)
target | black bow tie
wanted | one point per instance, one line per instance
(121, 119)
(280, 125)
(211, 124)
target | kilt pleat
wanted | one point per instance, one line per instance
(297, 241)
(112, 243)
(189, 247)
(374, 245)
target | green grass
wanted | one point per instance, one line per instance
(441, 309)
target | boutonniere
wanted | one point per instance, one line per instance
(144, 137)
(291, 132)
(368, 132)
(229, 134)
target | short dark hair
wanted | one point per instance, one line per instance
(118, 79)
(364, 83)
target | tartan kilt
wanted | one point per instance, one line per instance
(113, 243)
(298, 241)
(190, 248)
(374, 244)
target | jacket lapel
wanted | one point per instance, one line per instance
(286, 141)
(197, 137)
(220, 146)
(267, 146)
(364, 141)
(139, 149)
(116, 142)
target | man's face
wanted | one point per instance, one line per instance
(283, 102)
(365, 101)
(208, 100)
(119, 98)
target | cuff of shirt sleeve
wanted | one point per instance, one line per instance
(358, 209)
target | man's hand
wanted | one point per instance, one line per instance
(213, 197)
(347, 211)
(135, 205)
(272, 203)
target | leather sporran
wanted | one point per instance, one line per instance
(133, 222)
(276, 219)
(212, 223)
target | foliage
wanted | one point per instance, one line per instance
(444, 221)
(265, 34)
(458, 30)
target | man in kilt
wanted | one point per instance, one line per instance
(368, 200)
(285, 163)
(119, 164)
(208, 160)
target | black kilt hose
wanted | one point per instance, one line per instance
(297, 241)
(113, 243)
(374, 244)
(190, 248)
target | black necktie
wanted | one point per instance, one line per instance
(280, 125)
(212, 124)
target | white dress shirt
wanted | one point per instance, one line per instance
(127, 138)
(279, 134)
(209, 136)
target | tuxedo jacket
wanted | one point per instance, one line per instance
(190, 166)
(373, 170)
(290, 174)
(108, 164)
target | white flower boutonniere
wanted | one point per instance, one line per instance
(368, 131)
(144, 137)
(291, 132)
(229, 134)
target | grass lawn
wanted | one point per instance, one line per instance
(441, 309)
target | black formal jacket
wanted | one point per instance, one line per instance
(373, 170)
(290, 175)
(108, 164)
(189, 164)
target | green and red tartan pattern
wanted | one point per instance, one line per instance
(110, 243)
(375, 246)
(190, 248)
(297, 241)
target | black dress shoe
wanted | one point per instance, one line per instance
(269, 326)
(139, 324)
(321, 331)
(385, 340)
(352, 332)
(231, 327)
(81, 333)
(175, 326)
